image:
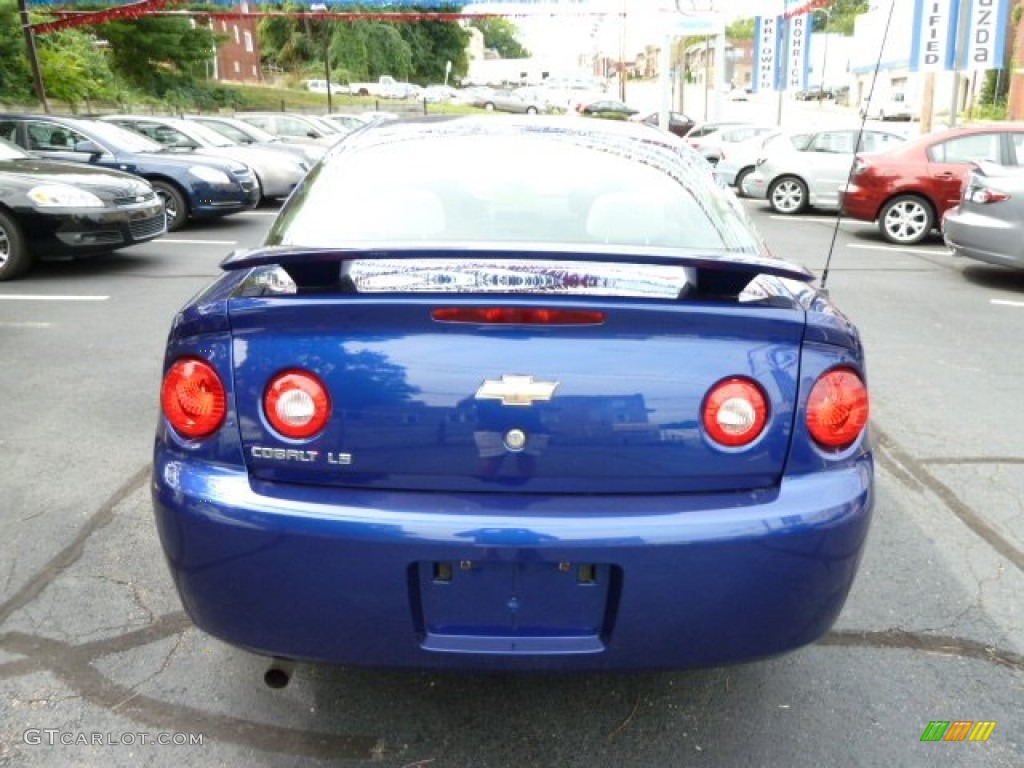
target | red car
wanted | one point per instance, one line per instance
(907, 189)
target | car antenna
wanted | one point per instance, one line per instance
(860, 134)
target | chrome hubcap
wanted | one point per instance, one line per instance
(906, 221)
(170, 209)
(788, 196)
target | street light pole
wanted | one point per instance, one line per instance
(824, 53)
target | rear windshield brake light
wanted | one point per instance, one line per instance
(518, 316)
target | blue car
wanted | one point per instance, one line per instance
(191, 186)
(567, 414)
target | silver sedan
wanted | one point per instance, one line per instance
(988, 223)
(278, 172)
(807, 169)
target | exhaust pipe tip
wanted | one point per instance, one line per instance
(279, 674)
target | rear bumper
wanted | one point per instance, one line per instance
(857, 203)
(511, 582)
(983, 238)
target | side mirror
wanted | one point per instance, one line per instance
(91, 148)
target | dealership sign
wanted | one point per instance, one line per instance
(938, 23)
(782, 52)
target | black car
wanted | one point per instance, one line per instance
(611, 108)
(50, 208)
(191, 186)
(678, 123)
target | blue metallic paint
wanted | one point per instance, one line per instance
(602, 567)
(327, 573)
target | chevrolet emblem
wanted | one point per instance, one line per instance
(516, 390)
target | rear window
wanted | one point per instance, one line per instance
(482, 189)
(966, 149)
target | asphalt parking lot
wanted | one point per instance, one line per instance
(101, 667)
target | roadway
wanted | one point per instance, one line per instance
(96, 651)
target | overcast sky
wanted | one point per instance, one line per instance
(559, 30)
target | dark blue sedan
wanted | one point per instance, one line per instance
(191, 186)
(530, 395)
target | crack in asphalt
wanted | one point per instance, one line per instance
(73, 663)
(902, 465)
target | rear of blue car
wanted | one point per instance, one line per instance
(555, 470)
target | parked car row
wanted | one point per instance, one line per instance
(51, 208)
(967, 183)
(73, 186)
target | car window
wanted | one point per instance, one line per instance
(800, 141)
(966, 149)
(1017, 137)
(538, 192)
(876, 141)
(9, 130)
(289, 126)
(835, 142)
(52, 137)
(259, 121)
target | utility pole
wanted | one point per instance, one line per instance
(33, 56)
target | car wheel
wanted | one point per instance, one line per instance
(531, 110)
(740, 178)
(906, 220)
(489, 106)
(175, 207)
(787, 195)
(14, 256)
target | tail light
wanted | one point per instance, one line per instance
(192, 398)
(984, 195)
(518, 316)
(837, 409)
(296, 404)
(735, 412)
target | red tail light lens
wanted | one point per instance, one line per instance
(518, 316)
(735, 412)
(192, 398)
(985, 196)
(837, 409)
(296, 404)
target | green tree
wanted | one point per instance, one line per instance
(501, 35)
(74, 67)
(15, 78)
(158, 53)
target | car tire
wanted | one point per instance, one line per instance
(175, 206)
(787, 195)
(489, 106)
(740, 178)
(906, 220)
(15, 258)
(531, 110)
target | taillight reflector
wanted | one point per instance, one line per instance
(518, 316)
(735, 412)
(192, 398)
(296, 404)
(837, 409)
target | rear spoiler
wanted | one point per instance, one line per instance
(722, 273)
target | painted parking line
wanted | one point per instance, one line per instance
(1007, 303)
(257, 213)
(193, 242)
(899, 248)
(26, 325)
(818, 219)
(42, 297)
